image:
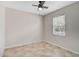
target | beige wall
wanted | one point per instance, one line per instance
(22, 27)
(2, 30)
(71, 40)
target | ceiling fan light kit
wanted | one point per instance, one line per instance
(40, 9)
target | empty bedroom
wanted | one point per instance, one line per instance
(39, 28)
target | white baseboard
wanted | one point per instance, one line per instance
(23, 44)
(62, 47)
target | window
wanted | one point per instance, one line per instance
(59, 25)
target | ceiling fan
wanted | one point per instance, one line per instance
(41, 5)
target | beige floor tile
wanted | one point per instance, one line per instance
(41, 49)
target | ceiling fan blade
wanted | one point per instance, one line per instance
(44, 7)
(35, 5)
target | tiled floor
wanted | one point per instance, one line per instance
(41, 49)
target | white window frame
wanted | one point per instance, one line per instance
(59, 25)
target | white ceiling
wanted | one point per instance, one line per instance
(27, 6)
